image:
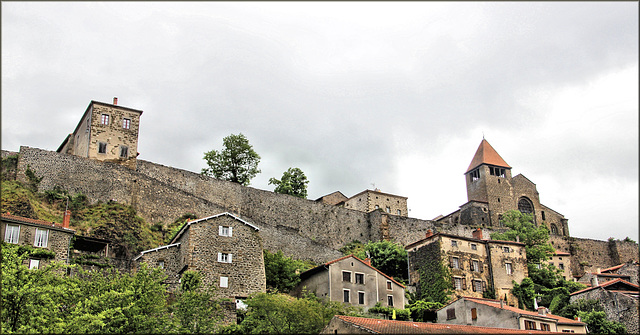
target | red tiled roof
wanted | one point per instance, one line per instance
(496, 304)
(613, 268)
(21, 219)
(363, 262)
(609, 283)
(486, 154)
(409, 327)
(561, 253)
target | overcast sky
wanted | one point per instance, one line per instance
(395, 96)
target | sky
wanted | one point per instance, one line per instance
(359, 95)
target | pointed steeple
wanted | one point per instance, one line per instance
(486, 154)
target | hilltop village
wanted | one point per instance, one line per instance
(236, 223)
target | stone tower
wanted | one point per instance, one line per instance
(491, 191)
(106, 132)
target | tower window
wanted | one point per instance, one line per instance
(124, 152)
(475, 175)
(102, 148)
(525, 206)
(496, 171)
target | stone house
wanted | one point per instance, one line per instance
(332, 199)
(629, 269)
(371, 200)
(38, 234)
(495, 313)
(343, 324)
(352, 281)
(594, 279)
(492, 191)
(476, 265)
(618, 297)
(106, 132)
(562, 261)
(224, 248)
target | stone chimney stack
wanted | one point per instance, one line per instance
(115, 100)
(542, 310)
(594, 280)
(477, 234)
(368, 261)
(66, 219)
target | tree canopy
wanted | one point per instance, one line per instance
(293, 182)
(237, 162)
(522, 228)
(282, 272)
(386, 256)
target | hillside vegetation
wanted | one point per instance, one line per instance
(112, 221)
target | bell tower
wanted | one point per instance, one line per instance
(488, 180)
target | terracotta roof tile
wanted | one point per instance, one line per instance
(411, 327)
(613, 268)
(486, 154)
(363, 262)
(609, 283)
(34, 221)
(496, 304)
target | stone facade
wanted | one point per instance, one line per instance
(371, 200)
(332, 198)
(619, 299)
(224, 248)
(492, 191)
(496, 314)
(352, 281)
(106, 132)
(38, 234)
(475, 264)
(562, 260)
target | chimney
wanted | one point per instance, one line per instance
(66, 219)
(597, 270)
(429, 234)
(115, 100)
(367, 261)
(542, 310)
(594, 280)
(477, 234)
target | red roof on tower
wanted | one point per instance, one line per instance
(486, 154)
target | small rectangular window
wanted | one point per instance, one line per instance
(389, 287)
(455, 262)
(161, 264)
(224, 257)
(345, 296)
(126, 123)
(346, 276)
(458, 283)
(361, 298)
(387, 209)
(225, 231)
(104, 119)
(224, 281)
(509, 268)
(42, 238)
(451, 313)
(561, 266)
(359, 278)
(34, 264)
(12, 234)
(124, 151)
(102, 148)
(505, 249)
(475, 266)
(390, 300)
(529, 325)
(399, 212)
(454, 243)
(474, 175)
(477, 286)
(474, 314)
(474, 246)
(545, 327)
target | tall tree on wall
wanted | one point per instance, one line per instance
(237, 162)
(293, 182)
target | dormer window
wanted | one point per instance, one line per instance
(474, 175)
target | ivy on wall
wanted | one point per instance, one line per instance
(435, 278)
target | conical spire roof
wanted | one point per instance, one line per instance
(486, 154)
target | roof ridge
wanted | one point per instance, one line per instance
(486, 154)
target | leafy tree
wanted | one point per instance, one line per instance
(583, 305)
(525, 293)
(237, 162)
(597, 323)
(535, 239)
(195, 310)
(282, 272)
(293, 182)
(424, 311)
(386, 256)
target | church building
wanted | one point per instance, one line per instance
(492, 191)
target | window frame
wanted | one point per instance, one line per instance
(390, 300)
(529, 325)
(224, 257)
(545, 327)
(124, 151)
(509, 268)
(455, 262)
(34, 263)
(451, 313)
(475, 265)
(102, 148)
(9, 234)
(126, 123)
(41, 238)
(361, 298)
(226, 231)
(346, 295)
(361, 276)
(346, 276)
(224, 282)
(474, 175)
(104, 119)
(389, 285)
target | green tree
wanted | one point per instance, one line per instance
(237, 162)
(282, 272)
(525, 293)
(570, 311)
(195, 309)
(435, 279)
(522, 228)
(386, 256)
(424, 311)
(293, 182)
(597, 323)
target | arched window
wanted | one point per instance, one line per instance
(554, 229)
(525, 205)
